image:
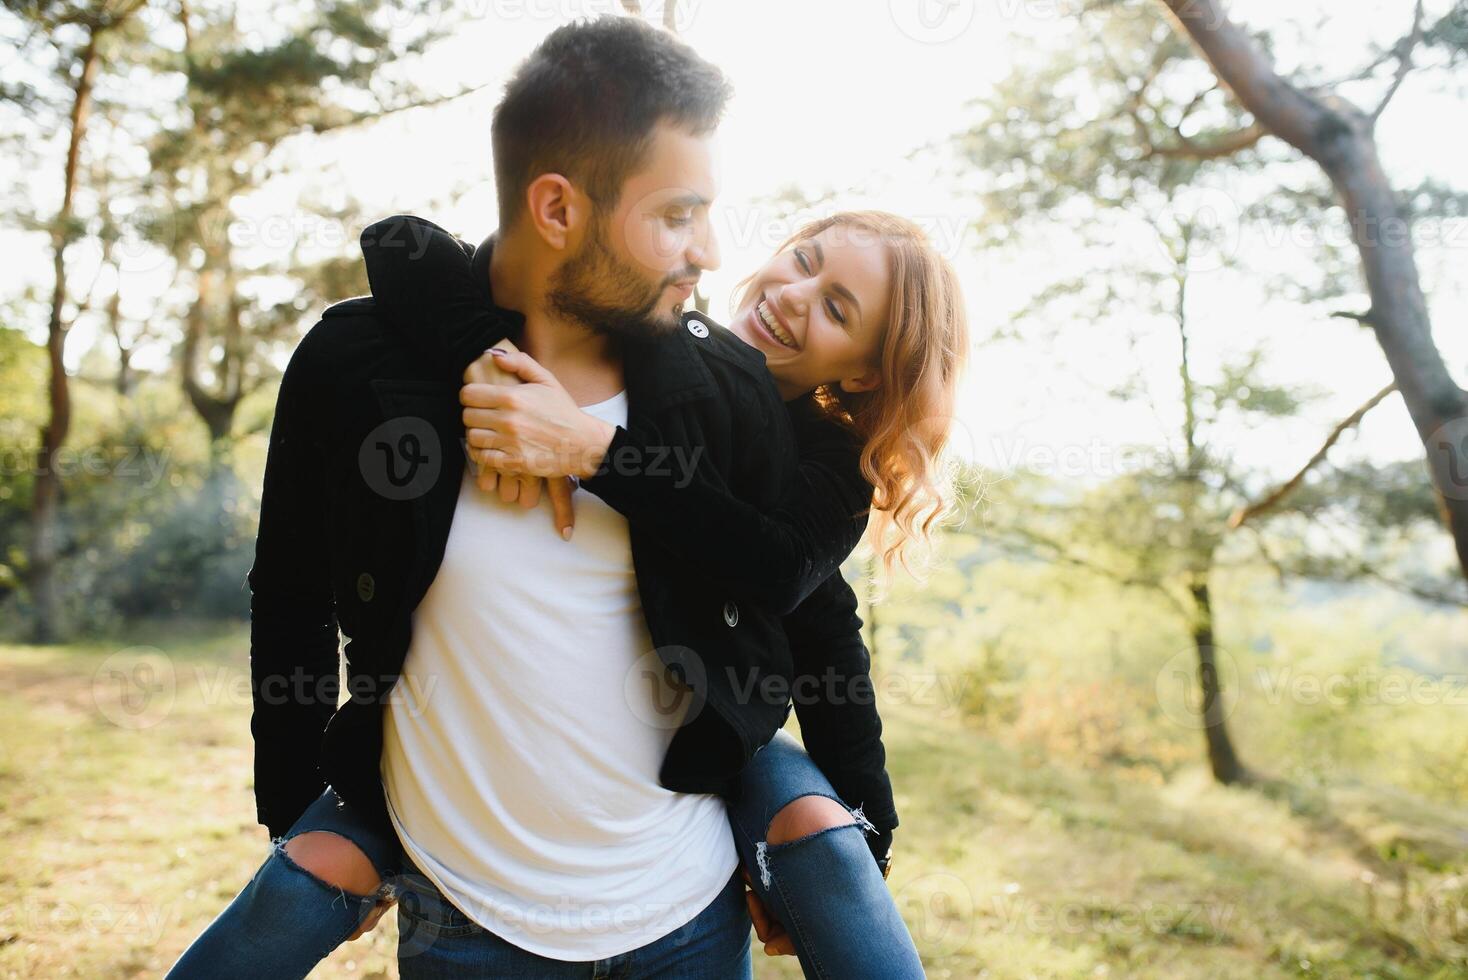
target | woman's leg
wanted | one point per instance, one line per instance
(321, 880)
(810, 864)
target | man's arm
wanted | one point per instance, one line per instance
(771, 552)
(293, 634)
(836, 705)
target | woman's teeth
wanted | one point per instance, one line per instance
(773, 325)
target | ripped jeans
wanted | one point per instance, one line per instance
(285, 920)
(824, 888)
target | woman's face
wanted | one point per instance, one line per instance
(817, 311)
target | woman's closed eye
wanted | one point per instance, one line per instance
(833, 309)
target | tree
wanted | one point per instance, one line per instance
(1160, 527)
(322, 70)
(1341, 138)
(1117, 144)
(85, 38)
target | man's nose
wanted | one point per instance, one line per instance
(704, 254)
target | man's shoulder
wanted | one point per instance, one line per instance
(732, 362)
(351, 342)
(356, 306)
(341, 327)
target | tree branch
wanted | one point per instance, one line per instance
(1243, 66)
(1403, 50)
(1271, 500)
(1223, 146)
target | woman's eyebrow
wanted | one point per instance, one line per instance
(847, 294)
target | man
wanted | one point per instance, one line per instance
(484, 651)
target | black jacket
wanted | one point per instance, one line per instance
(361, 482)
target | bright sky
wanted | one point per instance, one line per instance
(834, 96)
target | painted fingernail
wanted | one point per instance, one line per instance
(496, 352)
(565, 534)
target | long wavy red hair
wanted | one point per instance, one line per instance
(904, 422)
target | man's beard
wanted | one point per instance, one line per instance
(597, 290)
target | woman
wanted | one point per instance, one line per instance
(863, 333)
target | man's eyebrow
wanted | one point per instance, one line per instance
(846, 293)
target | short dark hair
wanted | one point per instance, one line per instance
(586, 101)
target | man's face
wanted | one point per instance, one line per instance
(638, 263)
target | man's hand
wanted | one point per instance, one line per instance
(769, 930)
(514, 488)
(373, 917)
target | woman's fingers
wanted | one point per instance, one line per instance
(484, 439)
(525, 367)
(563, 511)
(486, 476)
(509, 488)
(482, 396)
(530, 492)
(483, 418)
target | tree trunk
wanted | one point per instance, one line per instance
(1341, 139)
(45, 506)
(215, 408)
(1221, 756)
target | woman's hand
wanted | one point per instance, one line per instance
(524, 489)
(534, 428)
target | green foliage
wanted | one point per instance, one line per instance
(149, 526)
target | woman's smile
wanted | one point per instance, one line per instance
(775, 326)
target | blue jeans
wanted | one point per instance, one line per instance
(825, 889)
(286, 920)
(436, 941)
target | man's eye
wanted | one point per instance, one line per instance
(804, 262)
(835, 312)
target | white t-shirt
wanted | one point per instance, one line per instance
(523, 741)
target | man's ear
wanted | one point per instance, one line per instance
(555, 208)
(865, 382)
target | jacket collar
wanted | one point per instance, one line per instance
(660, 372)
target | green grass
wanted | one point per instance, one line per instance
(128, 822)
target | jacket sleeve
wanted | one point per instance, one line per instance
(773, 557)
(293, 633)
(836, 705)
(422, 281)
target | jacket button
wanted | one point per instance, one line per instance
(697, 327)
(366, 587)
(731, 613)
